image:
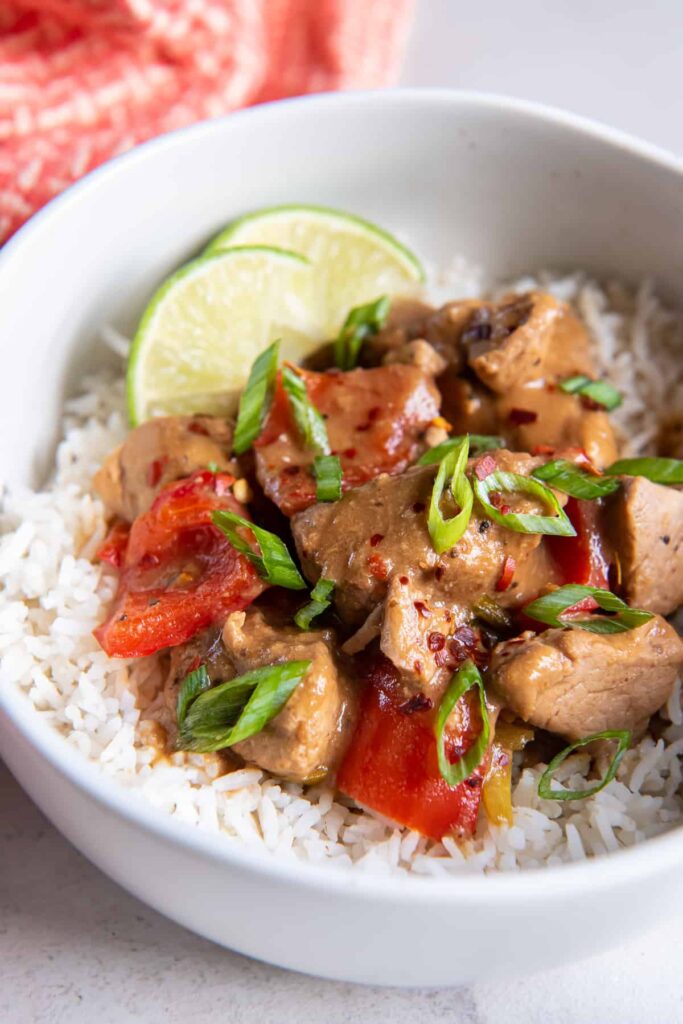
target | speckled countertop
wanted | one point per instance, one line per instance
(76, 949)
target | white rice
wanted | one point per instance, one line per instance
(52, 597)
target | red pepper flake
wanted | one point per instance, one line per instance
(542, 449)
(375, 539)
(349, 453)
(443, 659)
(404, 581)
(504, 510)
(505, 578)
(378, 567)
(520, 416)
(197, 428)
(436, 641)
(439, 573)
(418, 667)
(420, 702)
(372, 416)
(589, 403)
(291, 470)
(422, 609)
(485, 467)
(419, 506)
(154, 472)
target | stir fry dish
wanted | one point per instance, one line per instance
(406, 564)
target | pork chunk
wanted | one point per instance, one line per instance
(375, 422)
(155, 454)
(525, 338)
(309, 735)
(379, 531)
(576, 683)
(646, 524)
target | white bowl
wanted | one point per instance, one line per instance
(511, 186)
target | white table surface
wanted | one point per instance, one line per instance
(76, 949)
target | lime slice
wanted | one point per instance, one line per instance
(354, 260)
(207, 323)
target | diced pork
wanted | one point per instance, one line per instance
(380, 531)
(526, 338)
(375, 423)
(576, 683)
(308, 737)
(646, 523)
(155, 454)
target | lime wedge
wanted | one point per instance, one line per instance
(207, 323)
(354, 261)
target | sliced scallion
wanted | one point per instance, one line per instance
(328, 477)
(623, 736)
(659, 471)
(464, 679)
(274, 563)
(445, 533)
(255, 399)
(478, 443)
(600, 391)
(233, 711)
(310, 423)
(361, 323)
(491, 612)
(557, 525)
(190, 688)
(320, 602)
(552, 610)
(571, 479)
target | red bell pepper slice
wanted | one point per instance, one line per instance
(391, 765)
(179, 573)
(583, 558)
(113, 549)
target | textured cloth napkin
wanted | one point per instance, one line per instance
(83, 80)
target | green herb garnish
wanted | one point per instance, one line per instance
(233, 711)
(499, 481)
(310, 423)
(571, 479)
(274, 563)
(659, 471)
(546, 779)
(447, 532)
(320, 602)
(552, 609)
(463, 680)
(491, 612)
(599, 391)
(328, 477)
(478, 443)
(190, 688)
(361, 323)
(256, 398)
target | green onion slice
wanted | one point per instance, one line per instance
(309, 422)
(238, 709)
(551, 609)
(190, 688)
(447, 532)
(659, 471)
(274, 564)
(558, 525)
(320, 602)
(463, 680)
(328, 477)
(544, 783)
(213, 467)
(361, 323)
(478, 443)
(600, 391)
(571, 479)
(256, 398)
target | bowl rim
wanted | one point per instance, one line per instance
(655, 855)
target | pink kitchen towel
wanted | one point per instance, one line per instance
(83, 80)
